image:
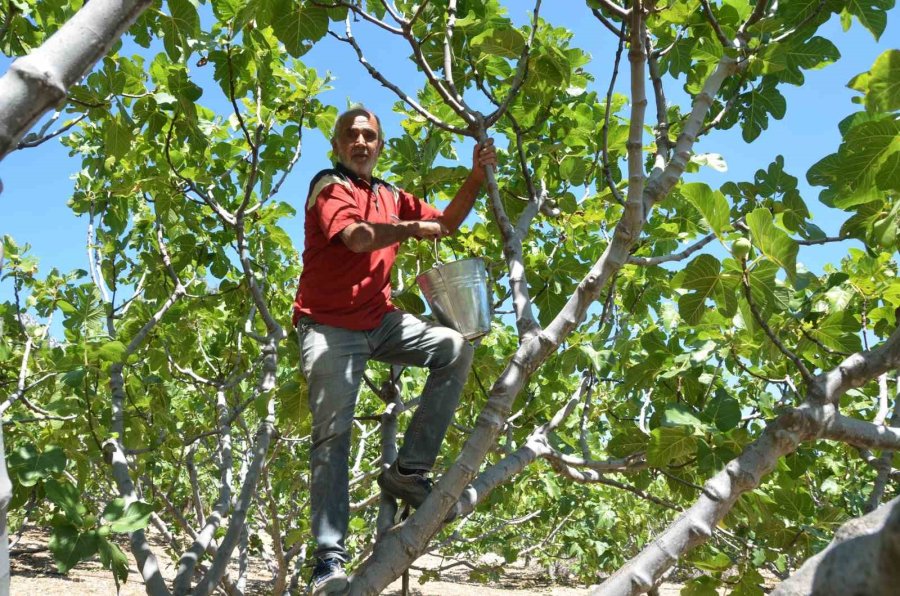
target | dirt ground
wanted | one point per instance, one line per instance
(34, 574)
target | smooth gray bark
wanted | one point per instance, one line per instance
(5, 498)
(863, 558)
(36, 83)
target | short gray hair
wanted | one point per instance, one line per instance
(354, 110)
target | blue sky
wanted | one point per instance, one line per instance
(37, 181)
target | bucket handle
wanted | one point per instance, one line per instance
(437, 256)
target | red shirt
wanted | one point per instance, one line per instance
(339, 287)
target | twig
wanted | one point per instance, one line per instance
(44, 139)
(679, 256)
(615, 9)
(708, 13)
(745, 279)
(607, 23)
(403, 96)
(521, 70)
(755, 16)
(801, 24)
(607, 169)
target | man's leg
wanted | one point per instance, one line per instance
(405, 339)
(333, 361)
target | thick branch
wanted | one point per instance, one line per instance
(39, 81)
(400, 546)
(862, 559)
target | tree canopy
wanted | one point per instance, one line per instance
(664, 384)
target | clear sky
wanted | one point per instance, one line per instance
(37, 181)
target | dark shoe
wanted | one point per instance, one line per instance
(413, 489)
(328, 577)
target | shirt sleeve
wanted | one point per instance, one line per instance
(411, 207)
(336, 209)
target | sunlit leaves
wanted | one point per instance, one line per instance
(711, 204)
(506, 42)
(881, 84)
(70, 546)
(786, 60)
(872, 14)
(704, 278)
(773, 242)
(864, 163)
(670, 443)
(756, 106)
(180, 28)
(837, 331)
(124, 519)
(298, 25)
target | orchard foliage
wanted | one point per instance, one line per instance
(654, 334)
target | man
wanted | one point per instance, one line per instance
(344, 317)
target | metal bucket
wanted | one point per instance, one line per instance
(457, 293)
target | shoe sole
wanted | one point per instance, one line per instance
(333, 587)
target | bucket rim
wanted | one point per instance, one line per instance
(438, 267)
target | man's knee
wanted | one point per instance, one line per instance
(457, 352)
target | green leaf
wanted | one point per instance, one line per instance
(718, 561)
(724, 410)
(679, 415)
(701, 586)
(855, 173)
(124, 520)
(871, 14)
(786, 59)
(670, 443)
(67, 497)
(795, 503)
(30, 466)
(756, 107)
(703, 276)
(838, 331)
(69, 546)
(711, 204)
(773, 242)
(627, 443)
(507, 42)
(297, 26)
(117, 137)
(65, 306)
(112, 351)
(112, 558)
(881, 85)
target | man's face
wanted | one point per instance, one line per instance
(357, 145)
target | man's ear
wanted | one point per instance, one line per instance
(380, 147)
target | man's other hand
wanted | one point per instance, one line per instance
(430, 230)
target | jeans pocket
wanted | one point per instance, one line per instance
(302, 329)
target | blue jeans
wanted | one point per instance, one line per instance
(334, 360)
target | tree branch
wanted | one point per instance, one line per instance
(403, 96)
(678, 256)
(708, 13)
(607, 169)
(521, 71)
(748, 294)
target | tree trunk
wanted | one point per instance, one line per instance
(36, 83)
(5, 497)
(862, 559)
